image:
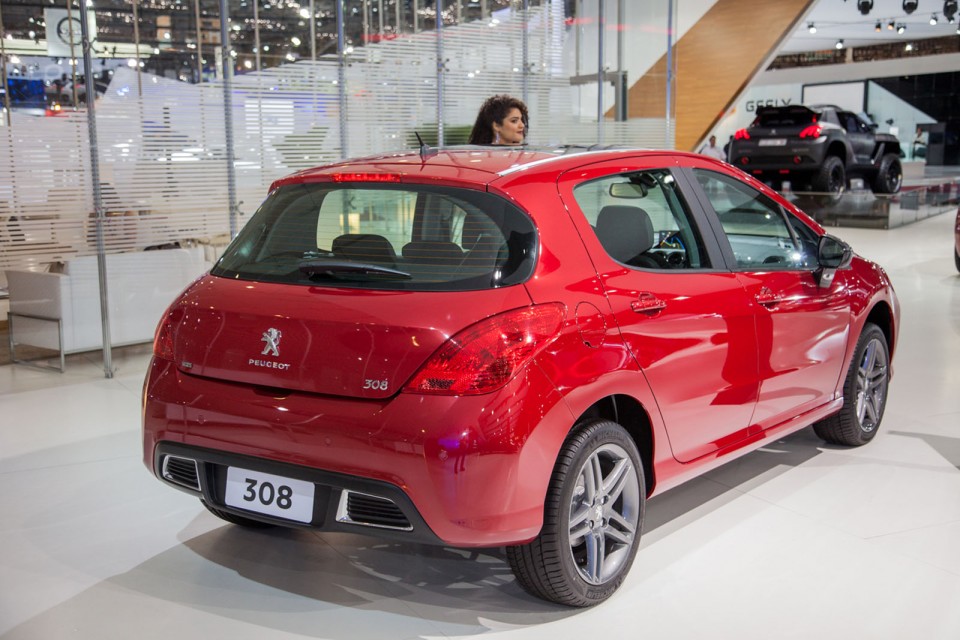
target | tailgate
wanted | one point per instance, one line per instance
(345, 342)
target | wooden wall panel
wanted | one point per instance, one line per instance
(715, 60)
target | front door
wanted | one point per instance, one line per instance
(802, 329)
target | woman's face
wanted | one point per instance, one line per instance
(510, 131)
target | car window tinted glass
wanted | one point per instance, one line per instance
(853, 124)
(641, 220)
(760, 232)
(383, 237)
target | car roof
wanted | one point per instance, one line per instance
(475, 166)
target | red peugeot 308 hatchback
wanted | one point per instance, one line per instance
(510, 347)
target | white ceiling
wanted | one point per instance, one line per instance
(837, 19)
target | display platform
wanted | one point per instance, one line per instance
(926, 192)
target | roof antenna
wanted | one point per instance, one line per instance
(425, 149)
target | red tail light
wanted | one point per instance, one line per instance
(366, 177)
(811, 131)
(485, 356)
(742, 134)
(163, 338)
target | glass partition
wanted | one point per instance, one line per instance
(311, 82)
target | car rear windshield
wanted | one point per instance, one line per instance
(405, 237)
(784, 117)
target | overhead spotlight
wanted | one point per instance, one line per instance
(839, 44)
(879, 27)
(909, 6)
(864, 6)
(891, 26)
(950, 10)
(909, 47)
(812, 28)
(933, 20)
(901, 28)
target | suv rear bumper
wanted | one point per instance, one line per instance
(792, 157)
(465, 471)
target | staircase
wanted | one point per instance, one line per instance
(715, 60)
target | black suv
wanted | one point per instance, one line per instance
(817, 148)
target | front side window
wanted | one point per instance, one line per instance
(383, 237)
(761, 234)
(854, 124)
(641, 220)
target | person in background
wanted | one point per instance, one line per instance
(502, 120)
(711, 149)
(919, 149)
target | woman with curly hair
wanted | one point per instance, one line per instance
(502, 119)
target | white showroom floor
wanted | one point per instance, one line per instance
(798, 540)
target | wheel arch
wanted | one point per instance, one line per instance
(630, 414)
(839, 149)
(884, 147)
(882, 316)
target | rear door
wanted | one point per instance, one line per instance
(689, 324)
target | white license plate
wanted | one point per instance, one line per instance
(273, 495)
(772, 142)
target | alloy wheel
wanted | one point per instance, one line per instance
(871, 386)
(604, 514)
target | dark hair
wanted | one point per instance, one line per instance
(495, 109)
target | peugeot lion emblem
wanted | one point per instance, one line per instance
(272, 339)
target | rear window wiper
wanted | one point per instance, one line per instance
(345, 269)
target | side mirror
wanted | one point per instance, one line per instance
(832, 254)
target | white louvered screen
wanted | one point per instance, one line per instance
(163, 156)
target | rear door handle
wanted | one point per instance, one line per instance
(768, 298)
(646, 302)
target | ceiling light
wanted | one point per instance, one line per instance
(901, 28)
(933, 19)
(909, 47)
(879, 27)
(909, 6)
(839, 44)
(864, 6)
(812, 28)
(890, 26)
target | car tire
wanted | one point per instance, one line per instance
(594, 507)
(235, 519)
(831, 178)
(864, 393)
(890, 175)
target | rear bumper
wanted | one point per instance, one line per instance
(463, 471)
(791, 158)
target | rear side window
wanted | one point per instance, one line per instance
(383, 237)
(641, 220)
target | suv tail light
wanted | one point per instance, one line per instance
(485, 356)
(742, 134)
(163, 338)
(811, 131)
